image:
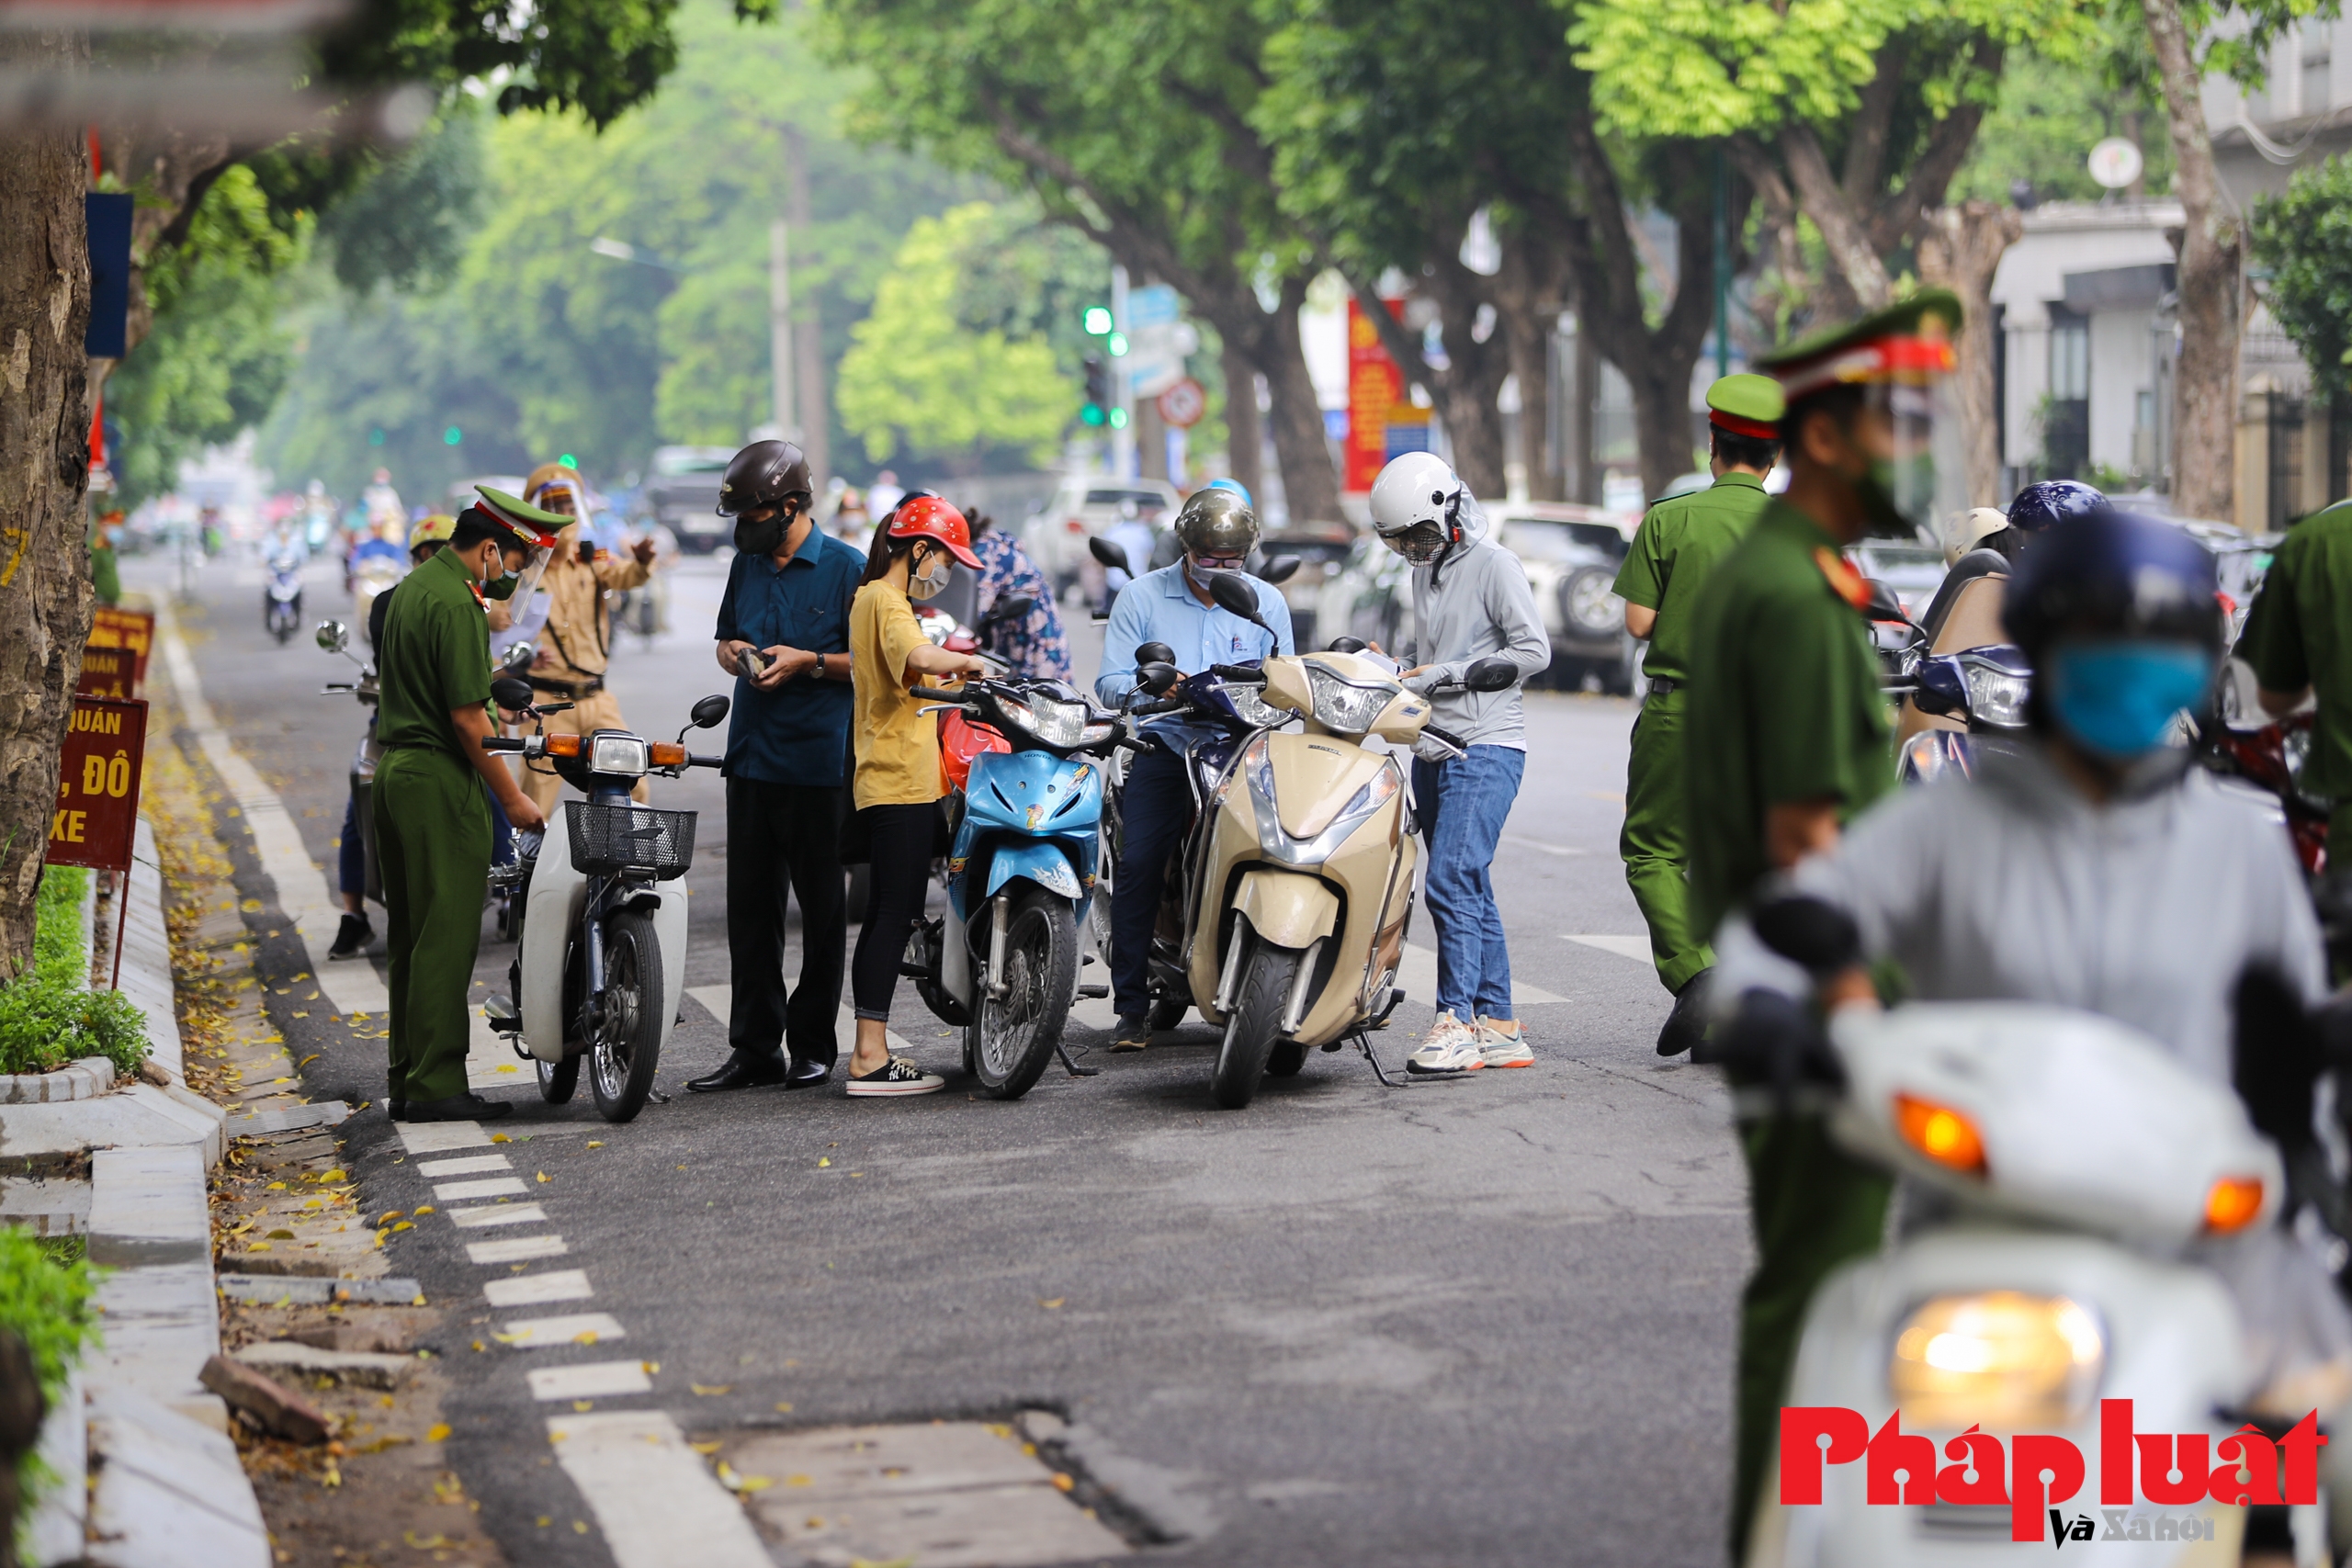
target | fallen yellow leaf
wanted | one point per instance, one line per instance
(438, 1433)
(585, 1337)
(543, 1176)
(333, 1176)
(584, 1404)
(596, 1143)
(275, 1187)
(707, 1390)
(389, 1215)
(704, 1448)
(422, 1210)
(799, 1481)
(1062, 1483)
(499, 1138)
(784, 1407)
(1054, 1305)
(405, 1226)
(824, 1161)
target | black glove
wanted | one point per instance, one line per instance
(1776, 1041)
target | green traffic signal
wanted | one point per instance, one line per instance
(1118, 343)
(1091, 415)
(453, 435)
(1098, 321)
(1118, 419)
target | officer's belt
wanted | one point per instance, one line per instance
(575, 690)
(1660, 686)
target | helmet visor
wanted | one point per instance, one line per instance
(1920, 475)
(1420, 543)
(535, 563)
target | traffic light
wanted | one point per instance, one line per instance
(1098, 391)
(1097, 320)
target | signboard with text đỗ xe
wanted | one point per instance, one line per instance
(98, 768)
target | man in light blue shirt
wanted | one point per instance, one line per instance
(1173, 605)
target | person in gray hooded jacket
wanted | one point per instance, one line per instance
(1470, 602)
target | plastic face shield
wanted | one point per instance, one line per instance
(1921, 473)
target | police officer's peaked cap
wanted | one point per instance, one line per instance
(1747, 405)
(1906, 342)
(520, 518)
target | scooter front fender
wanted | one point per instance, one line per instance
(670, 929)
(1043, 863)
(1288, 908)
(557, 894)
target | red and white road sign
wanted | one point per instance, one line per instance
(1184, 403)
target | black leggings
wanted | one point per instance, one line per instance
(897, 880)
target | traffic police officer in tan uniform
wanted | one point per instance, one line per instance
(1787, 739)
(575, 645)
(1676, 547)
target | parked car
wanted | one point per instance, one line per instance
(1571, 554)
(682, 493)
(1915, 570)
(1323, 550)
(1086, 505)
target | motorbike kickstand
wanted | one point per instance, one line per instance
(1075, 1070)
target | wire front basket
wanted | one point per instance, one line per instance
(609, 839)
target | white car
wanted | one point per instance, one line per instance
(1571, 554)
(1086, 505)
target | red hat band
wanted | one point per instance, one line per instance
(1754, 429)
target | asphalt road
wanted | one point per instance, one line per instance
(1477, 1322)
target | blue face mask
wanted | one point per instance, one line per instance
(2118, 698)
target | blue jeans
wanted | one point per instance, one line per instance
(1461, 804)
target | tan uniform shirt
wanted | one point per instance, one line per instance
(578, 633)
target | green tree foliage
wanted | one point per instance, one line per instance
(2048, 117)
(954, 360)
(2304, 239)
(216, 355)
(405, 226)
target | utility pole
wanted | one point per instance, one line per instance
(808, 347)
(780, 352)
(1123, 433)
(1723, 264)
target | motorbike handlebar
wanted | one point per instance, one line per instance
(504, 742)
(1241, 672)
(1164, 705)
(933, 694)
(693, 761)
(1447, 736)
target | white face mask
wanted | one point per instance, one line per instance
(932, 581)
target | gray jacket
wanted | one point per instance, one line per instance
(1481, 608)
(2015, 887)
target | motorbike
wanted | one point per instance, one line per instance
(1297, 884)
(376, 571)
(1022, 757)
(281, 604)
(599, 966)
(1985, 689)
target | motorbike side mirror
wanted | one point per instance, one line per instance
(520, 657)
(1016, 608)
(1233, 593)
(334, 637)
(1279, 570)
(1109, 554)
(1491, 675)
(1807, 931)
(1159, 678)
(710, 711)
(1885, 604)
(1941, 687)
(1347, 645)
(1154, 653)
(511, 693)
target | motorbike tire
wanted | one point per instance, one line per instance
(558, 1080)
(1168, 1013)
(1286, 1059)
(1011, 1041)
(1249, 1033)
(628, 1046)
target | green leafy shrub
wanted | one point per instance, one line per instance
(49, 1016)
(46, 1301)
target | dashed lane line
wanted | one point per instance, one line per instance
(433, 1137)
(589, 1380)
(538, 1290)
(576, 1328)
(517, 1249)
(655, 1503)
(498, 1215)
(490, 1187)
(464, 1165)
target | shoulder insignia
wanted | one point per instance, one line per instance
(1843, 580)
(475, 589)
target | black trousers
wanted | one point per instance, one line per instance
(901, 839)
(1154, 810)
(780, 837)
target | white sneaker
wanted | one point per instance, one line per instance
(1451, 1046)
(1503, 1043)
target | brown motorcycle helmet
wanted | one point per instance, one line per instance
(765, 473)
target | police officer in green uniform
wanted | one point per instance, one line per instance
(1787, 739)
(2298, 636)
(1678, 544)
(432, 791)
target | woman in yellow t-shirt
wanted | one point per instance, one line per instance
(897, 788)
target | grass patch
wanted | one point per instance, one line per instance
(48, 1015)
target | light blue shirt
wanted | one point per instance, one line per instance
(1159, 606)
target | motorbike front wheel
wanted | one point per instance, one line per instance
(628, 1041)
(1013, 1038)
(558, 1080)
(1249, 1032)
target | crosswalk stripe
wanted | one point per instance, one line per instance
(498, 1215)
(517, 1249)
(537, 1333)
(589, 1380)
(534, 1289)
(433, 1137)
(491, 1186)
(464, 1165)
(655, 1503)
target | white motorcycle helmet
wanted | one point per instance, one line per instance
(1416, 507)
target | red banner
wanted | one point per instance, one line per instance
(1375, 384)
(98, 784)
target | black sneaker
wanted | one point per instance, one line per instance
(1133, 1032)
(1687, 1024)
(352, 938)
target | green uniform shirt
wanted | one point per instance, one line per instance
(1785, 702)
(2299, 634)
(435, 657)
(1677, 544)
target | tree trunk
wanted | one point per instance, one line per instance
(1309, 482)
(2205, 384)
(1244, 435)
(1661, 388)
(1531, 361)
(1960, 249)
(1584, 393)
(44, 469)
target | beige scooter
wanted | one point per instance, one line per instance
(1302, 872)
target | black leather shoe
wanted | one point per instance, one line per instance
(806, 1075)
(458, 1108)
(744, 1069)
(397, 1110)
(1687, 1024)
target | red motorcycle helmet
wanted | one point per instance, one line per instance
(929, 518)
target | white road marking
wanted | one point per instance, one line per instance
(490, 1187)
(592, 1380)
(1636, 948)
(1540, 846)
(534, 1289)
(433, 1137)
(718, 998)
(1416, 972)
(498, 1215)
(656, 1504)
(517, 1249)
(433, 1169)
(537, 1333)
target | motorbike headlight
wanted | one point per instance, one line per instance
(1343, 705)
(1996, 697)
(2002, 1359)
(1254, 710)
(1056, 723)
(622, 755)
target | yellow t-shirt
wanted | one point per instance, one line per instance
(898, 744)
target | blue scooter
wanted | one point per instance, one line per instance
(1002, 961)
